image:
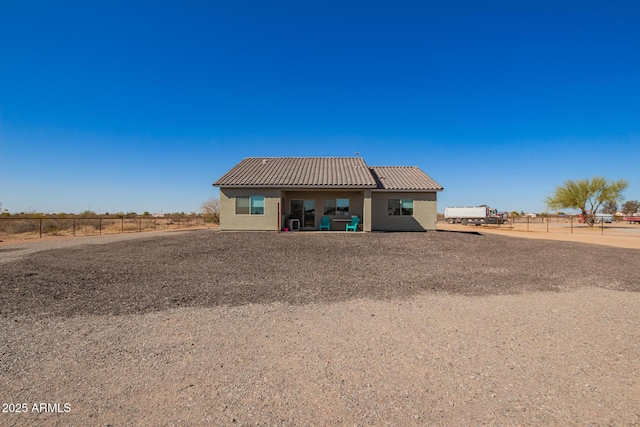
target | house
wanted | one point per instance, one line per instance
(274, 193)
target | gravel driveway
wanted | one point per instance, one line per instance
(215, 328)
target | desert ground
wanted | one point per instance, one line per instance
(464, 326)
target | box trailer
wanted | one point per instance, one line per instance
(477, 215)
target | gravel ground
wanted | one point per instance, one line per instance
(203, 327)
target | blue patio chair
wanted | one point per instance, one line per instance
(354, 224)
(325, 223)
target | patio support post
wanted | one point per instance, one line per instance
(366, 211)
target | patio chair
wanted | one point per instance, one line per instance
(354, 224)
(325, 223)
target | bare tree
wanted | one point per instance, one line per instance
(630, 207)
(609, 207)
(211, 207)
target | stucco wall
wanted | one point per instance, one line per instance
(424, 212)
(230, 221)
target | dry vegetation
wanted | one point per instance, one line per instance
(17, 228)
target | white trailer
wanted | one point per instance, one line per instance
(477, 215)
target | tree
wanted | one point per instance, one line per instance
(609, 207)
(211, 207)
(587, 195)
(630, 207)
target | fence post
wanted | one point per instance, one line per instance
(154, 223)
(122, 225)
(41, 228)
(571, 224)
(140, 224)
(100, 225)
(74, 225)
(528, 219)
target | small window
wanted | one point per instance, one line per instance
(253, 205)
(336, 207)
(400, 207)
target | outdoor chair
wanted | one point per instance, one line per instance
(325, 223)
(354, 224)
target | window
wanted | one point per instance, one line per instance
(253, 205)
(400, 207)
(336, 207)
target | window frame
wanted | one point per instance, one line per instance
(335, 206)
(400, 207)
(251, 207)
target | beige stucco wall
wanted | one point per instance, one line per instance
(424, 212)
(230, 221)
(370, 205)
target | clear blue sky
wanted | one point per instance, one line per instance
(141, 106)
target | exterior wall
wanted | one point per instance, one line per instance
(424, 211)
(370, 205)
(230, 221)
(356, 205)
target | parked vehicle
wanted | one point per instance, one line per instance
(634, 219)
(477, 215)
(606, 218)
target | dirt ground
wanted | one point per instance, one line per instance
(618, 234)
(459, 327)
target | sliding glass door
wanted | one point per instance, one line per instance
(309, 214)
(305, 211)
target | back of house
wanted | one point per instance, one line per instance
(273, 193)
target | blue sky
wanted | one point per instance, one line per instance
(140, 106)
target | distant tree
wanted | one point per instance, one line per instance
(587, 195)
(630, 207)
(609, 207)
(211, 207)
(145, 213)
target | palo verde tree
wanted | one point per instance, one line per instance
(587, 195)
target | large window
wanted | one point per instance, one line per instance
(336, 207)
(400, 207)
(253, 205)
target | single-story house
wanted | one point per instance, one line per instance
(274, 193)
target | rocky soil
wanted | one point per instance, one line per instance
(203, 327)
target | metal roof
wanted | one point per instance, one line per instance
(403, 178)
(324, 172)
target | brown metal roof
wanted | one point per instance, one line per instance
(299, 172)
(403, 178)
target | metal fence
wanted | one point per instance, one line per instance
(39, 226)
(566, 224)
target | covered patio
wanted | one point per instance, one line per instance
(304, 210)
